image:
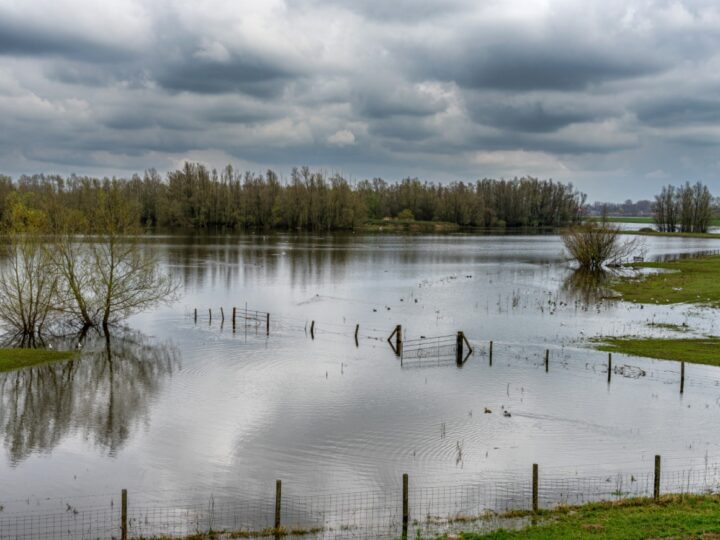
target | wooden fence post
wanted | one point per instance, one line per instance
(278, 503)
(210, 314)
(123, 516)
(233, 317)
(656, 479)
(267, 325)
(491, 351)
(547, 360)
(405, 505)
(222, 314)
(535, 482)
(312, 330)
(609, 366)
(398, 338)
(459, 348)
(682, 377)
(357, 329)
(195, 315)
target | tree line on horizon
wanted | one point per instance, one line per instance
(195, 197)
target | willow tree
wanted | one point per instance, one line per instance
(107, 274)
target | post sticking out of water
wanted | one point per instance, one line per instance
(357, 329)
(222, 315)
(535, 486)
(278, 503)
(656, 480)
(210, 315)
(609, 366)
(312, 330)
(405, 505)
(195, 315)
(547, 360)
(233, 317)
(267, 325)
(123, 516)
(459, 348)
(398, 338)
(490, 353)
(682, 377)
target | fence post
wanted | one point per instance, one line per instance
(278, 503)
(535, 481)
(609, 366)
(491, 347)
(267, 325)
(222, 314)
(547, 360)
(656, 480)
(406, 505)
(210, 314)
(123, 515)
(682, 377)
(233, 317)
(312, 330)
(459, 349)
(398, 338)
(196, 315)
(357, 329)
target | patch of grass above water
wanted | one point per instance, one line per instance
(692, 350)
(692, 280)
(21, 358)
(688, 516)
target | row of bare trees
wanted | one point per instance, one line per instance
(687, 208)
(195, 197)
(62, 271)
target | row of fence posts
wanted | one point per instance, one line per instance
(277, 522)
(460, 352)
(234, 318)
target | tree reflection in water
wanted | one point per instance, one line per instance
(103, 395)
(589, 286)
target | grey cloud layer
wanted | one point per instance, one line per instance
(616, 96)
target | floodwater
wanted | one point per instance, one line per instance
(177, 406)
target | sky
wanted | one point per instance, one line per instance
(617, 96)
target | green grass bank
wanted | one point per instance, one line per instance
(11, 359)
(680, 517)
(693, 280)
(693, 350)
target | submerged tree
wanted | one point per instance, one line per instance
(593, 245)
(28, 291)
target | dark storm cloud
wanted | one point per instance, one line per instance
(22, 38)
(445, 89)
(244, 74)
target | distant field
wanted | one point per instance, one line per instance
(647, 219)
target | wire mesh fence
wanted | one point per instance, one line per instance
(416, 510)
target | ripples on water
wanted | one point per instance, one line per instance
(173, 406)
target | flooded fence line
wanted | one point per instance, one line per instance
(397, 512)
(422, 350)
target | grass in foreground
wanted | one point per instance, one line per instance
(681, 517)
(695, 280)
(692, 350)
(21, 358)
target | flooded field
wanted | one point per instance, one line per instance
(178, 406)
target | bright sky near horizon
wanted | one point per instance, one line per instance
(617, 96)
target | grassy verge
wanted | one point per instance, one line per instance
(695, 280)
(21, 358)
(647, 219)
(689, 516)
(692, 350)
(673, 234)
(409, 225)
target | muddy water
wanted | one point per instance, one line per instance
(177, 406)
